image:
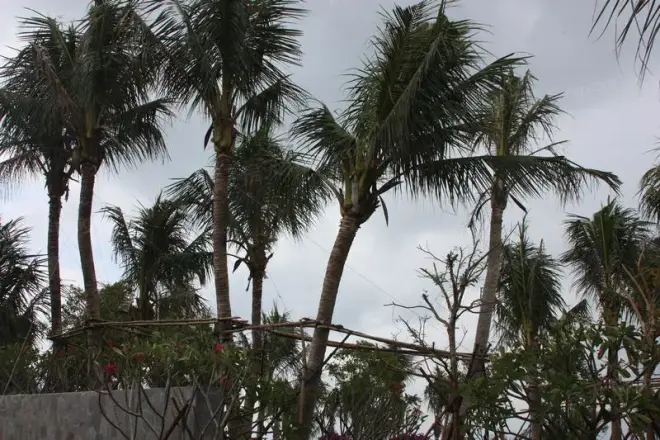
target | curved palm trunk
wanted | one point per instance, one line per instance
(53, 249)
(220, 221)
(93, 300)
(347, 231)
(87, 179)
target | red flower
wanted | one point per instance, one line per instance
(110, 370)
(139, 357)
(218, 348)
(223, 379)
(110, 344)
(417, 411)
(126, 346)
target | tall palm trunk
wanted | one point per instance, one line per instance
(220, 221)
(347, 231)
(258, 274)
(87, 179)
(93, 300)
(492, 281)
(611, 320)
(53, 249)
(258, 271)
(534, 397)
(223, 142)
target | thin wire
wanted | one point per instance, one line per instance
(382, 290)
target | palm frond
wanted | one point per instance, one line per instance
(649, 192)
(121, 240)
(640, 16)
(465, 178)
(136, 135)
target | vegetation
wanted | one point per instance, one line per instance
(426, 115)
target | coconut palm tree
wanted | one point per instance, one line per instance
(104, 97)
(529, 297)
(157, 255)
(225, 58)
(272, 192)
(513, 121)
(33, 139)
(22, 279)
(411, 118)
(602, 250)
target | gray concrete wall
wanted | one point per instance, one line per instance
(80, 416)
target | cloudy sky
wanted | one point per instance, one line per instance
(611, 125)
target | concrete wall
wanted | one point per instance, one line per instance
(80, 416)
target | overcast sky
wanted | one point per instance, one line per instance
(611, 125)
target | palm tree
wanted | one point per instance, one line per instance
(643, 300)
(157, 255)
(104, 98)
(32, 140)
(602, 251)
(411, 116)
(21, 285)
(271, 193)
(225, 58)
(529, 297)
(512, 123)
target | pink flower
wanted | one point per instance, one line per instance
(110, 370)
(110, 344)
(223, 379)
(218, 348)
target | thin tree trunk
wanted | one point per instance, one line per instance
(93, 300)
(220, 222)
(611, 319)
(87, 179)
(650, 428)
(54, 279)
(534, 401)
(491, 284)
(258, 273)
(492, 281)
(347, 231)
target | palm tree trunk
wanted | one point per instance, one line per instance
(258, 273)
(54, 279)
(347, 231)
(534, 398)
(648, 390)
(93, 300)
(611, 319)
(491, 284)
(87, 179)
(220, 221)
(492, 281)
(257, 295)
